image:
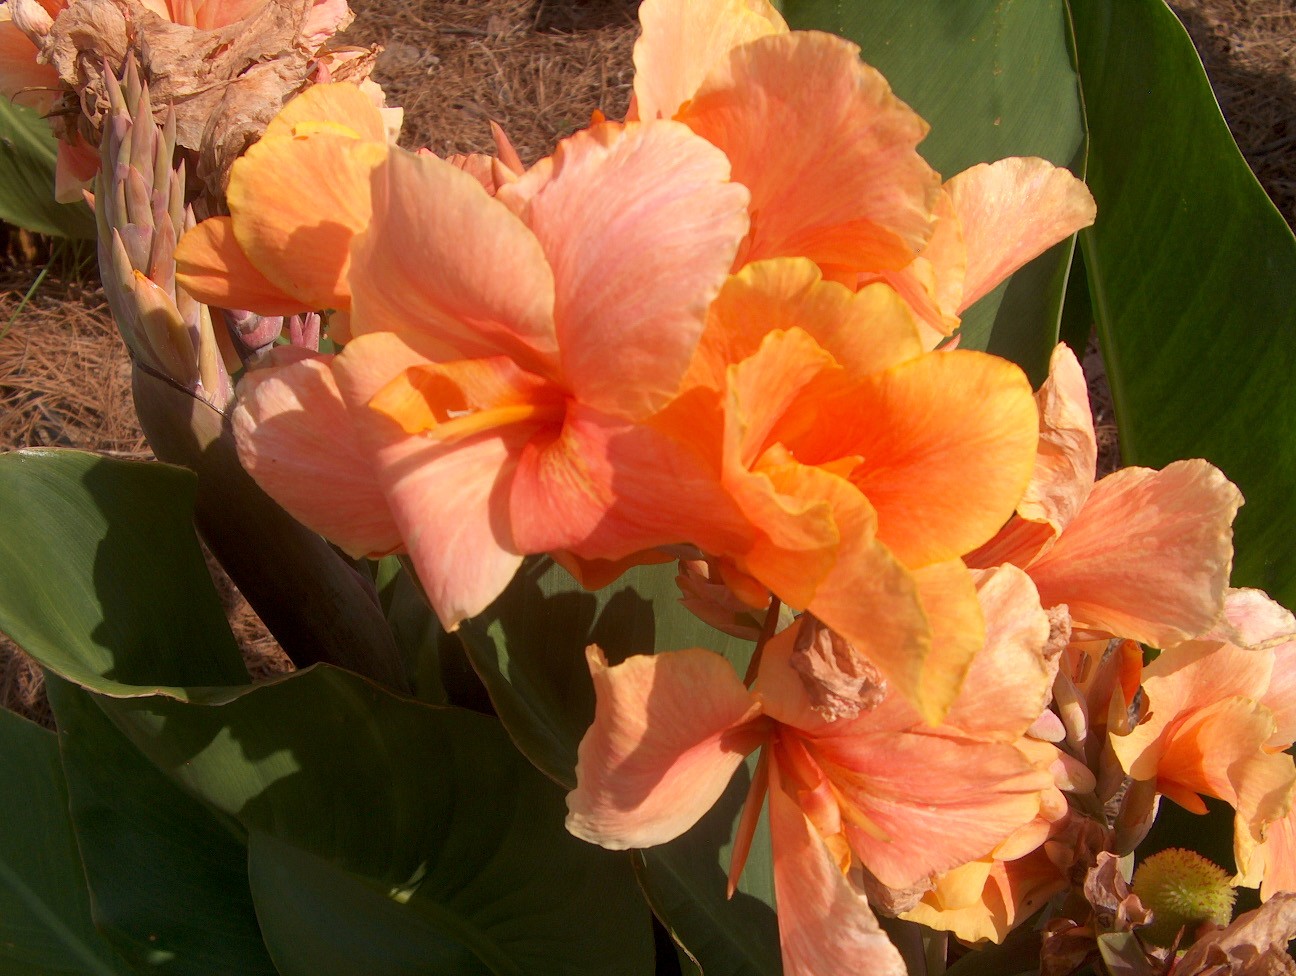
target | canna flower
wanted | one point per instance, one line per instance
(882, 796)
(860, 472)
(830, 156)
(1221, 710)
(489, 404)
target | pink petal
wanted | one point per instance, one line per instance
(918, 802)
(825, 925)
(1010, 682)
(296, 438)
(828, 152)
(669, 731)
(1011, 211)
(449, 502)
(412, 274)
(640, 224)
(1148, 557)
(680, 40)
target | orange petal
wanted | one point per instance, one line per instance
(212, 267)
(825, 925)
(449, 502)
(296, 438)
(958, 631)
(680, 40)
(640, 225)
(828, 153)
(918, 802)
(1148, 557)
(29, 84)
(412, 274)
(669, 731)
(1011, 211)
(863, 331)
(339, 105)
(948, 442)
(297, 201)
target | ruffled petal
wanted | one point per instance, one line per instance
(825, 925)
(411, 273)
(1010, 682)
(340, 105)
(1012, 211)
(680, 40)
(296, 438)
(1149, 555)
(640, 224)
(828, 152)
(864, 332)
(948, 442)
(212, 267)
(449, 502)
(669, 731)
(1068, 449)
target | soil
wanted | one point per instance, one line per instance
(539, 68)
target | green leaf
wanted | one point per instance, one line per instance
(168, 877)
(1193, 277)
(994, 78)
(685, 882)
(45, 924)
(431, 805)
(27, 155)
(529, 648)
(101, 576)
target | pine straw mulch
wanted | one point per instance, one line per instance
(538, 68)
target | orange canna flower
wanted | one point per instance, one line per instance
(1220, 712)
(883, 792)
(860, 473)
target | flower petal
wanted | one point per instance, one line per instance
(1012, 211)
(297, 202)
(669, 731)
(863, 331)
(1148, 557)
(640, 224)
(341, 105)
(680, 40)
(212, 267)
(449, 502)
(412, 274)
(296, 438)
(825, 925)
(828, 152)
(28, 83)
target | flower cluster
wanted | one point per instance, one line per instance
(722, 327)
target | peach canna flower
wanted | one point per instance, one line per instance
(1141, 554)
(830, 156)
(489, 404)
(882, 793)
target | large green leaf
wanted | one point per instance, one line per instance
(168, 877)
(994, 78)
(101, 575)
(1193, 277)
(27, 154)
(45, 924)
(529, 650)
(431, 806)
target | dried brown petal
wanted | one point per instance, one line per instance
(840, 681)
(1255, 944)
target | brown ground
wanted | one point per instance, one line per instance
(538, 67)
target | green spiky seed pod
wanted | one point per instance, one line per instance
(1183, 889)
